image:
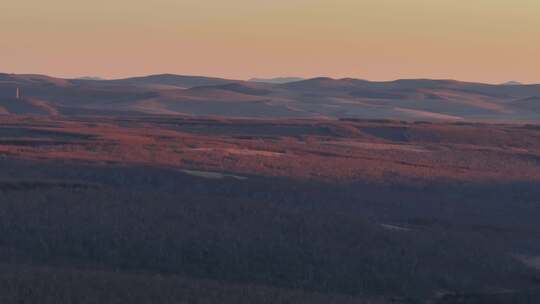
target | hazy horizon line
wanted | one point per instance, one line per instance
(308, 77)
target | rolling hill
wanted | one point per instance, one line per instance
(409, 99)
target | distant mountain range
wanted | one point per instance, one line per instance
(90, 78)
(410, 99)
(278, 80)
(512, 83)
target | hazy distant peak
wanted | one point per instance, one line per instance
(512, 83)
(277, 80)
(182, 81)
(318, 84)
(90, 78)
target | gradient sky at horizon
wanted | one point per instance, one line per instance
(473, 40)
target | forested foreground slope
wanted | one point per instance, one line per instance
(176, 210)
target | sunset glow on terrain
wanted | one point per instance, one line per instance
(269, 151)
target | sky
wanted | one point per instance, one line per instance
(472, 40)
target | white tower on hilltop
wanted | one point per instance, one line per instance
(18, 93)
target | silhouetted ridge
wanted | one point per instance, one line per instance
(173, 80)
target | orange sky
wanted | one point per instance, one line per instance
(478, 40)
